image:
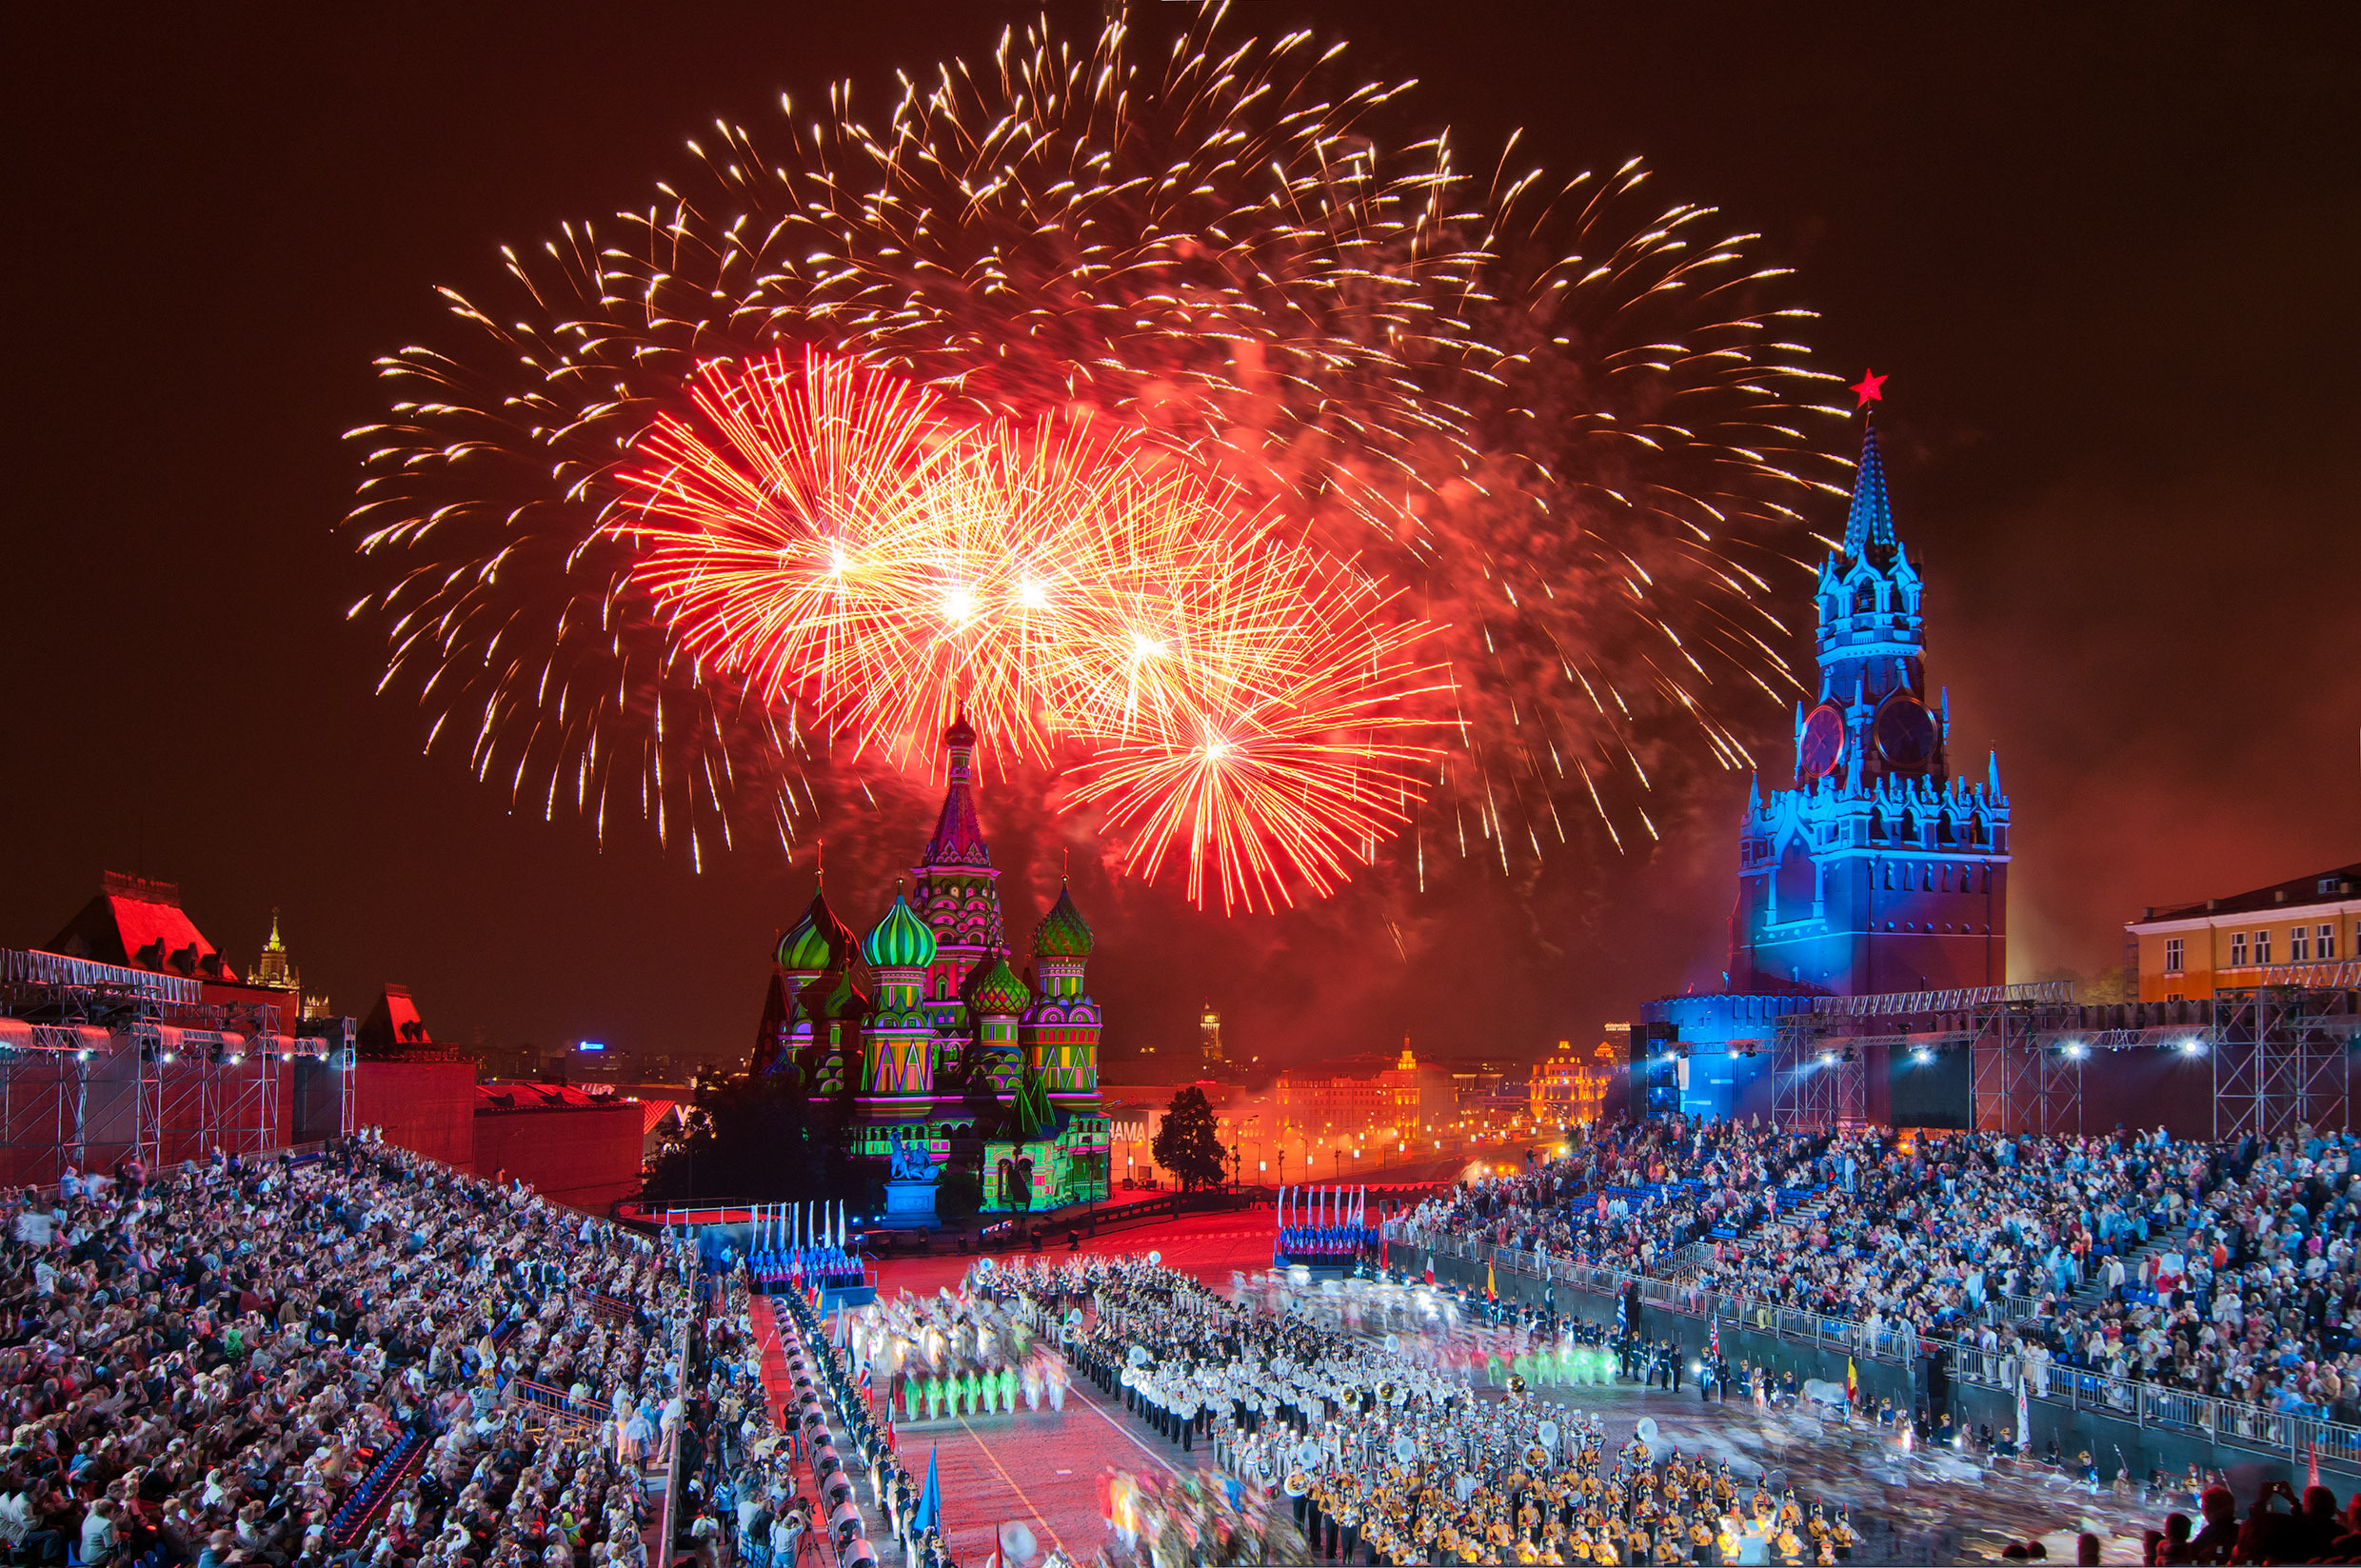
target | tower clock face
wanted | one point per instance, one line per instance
(1823, 743)
(1906, 734)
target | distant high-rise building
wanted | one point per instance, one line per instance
(1209, 1037)
(276, 970)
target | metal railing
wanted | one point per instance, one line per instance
(667, 1516)
(2232, 1422)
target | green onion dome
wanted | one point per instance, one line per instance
(1063, 932)
(996, 991)
(900, 941)
(817, 940)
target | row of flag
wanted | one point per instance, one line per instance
(789, 1227)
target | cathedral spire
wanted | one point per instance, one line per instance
(1870, 525)
(959, 836)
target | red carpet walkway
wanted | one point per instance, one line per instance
(776, 1382)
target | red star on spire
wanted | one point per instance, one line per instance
(1872, 387)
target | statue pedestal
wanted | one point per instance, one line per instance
(911, 1202)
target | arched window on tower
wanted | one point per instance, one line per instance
(1865, 599)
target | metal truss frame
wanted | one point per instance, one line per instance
(105, 1062)
(2281, 1051)
(1816, 1089)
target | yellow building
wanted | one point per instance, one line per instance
(1338, 1102)
(1570, 1086)
(2227, 943)
(1421, 1095)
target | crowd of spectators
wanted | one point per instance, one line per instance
(300, 1364)
(2226, 1269)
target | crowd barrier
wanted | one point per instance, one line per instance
(2282, 1434)
(669, 1516)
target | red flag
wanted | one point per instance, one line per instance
(2311, 1465)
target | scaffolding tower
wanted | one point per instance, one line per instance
(101, 1063)
(2281, 1050)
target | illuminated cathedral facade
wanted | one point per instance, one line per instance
(926, 1035)
(1880, 868)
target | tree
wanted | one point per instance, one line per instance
(1186, 1144)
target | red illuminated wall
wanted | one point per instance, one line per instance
(429, 1106)
(584, 1157)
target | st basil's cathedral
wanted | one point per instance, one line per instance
(940, 1052)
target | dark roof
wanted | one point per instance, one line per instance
(140, 924)
(393, 1024)
(2345, 882)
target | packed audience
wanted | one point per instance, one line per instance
(295, 1364)
(2229, 1270)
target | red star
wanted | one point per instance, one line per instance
(1872, 387)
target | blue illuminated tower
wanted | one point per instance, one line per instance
(1874, 867)
(1879, 870)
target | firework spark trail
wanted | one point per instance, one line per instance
(1297, 749)
(817, 535)
(1564, 425)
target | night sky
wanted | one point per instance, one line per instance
(2110, 265)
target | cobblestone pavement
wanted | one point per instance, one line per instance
(1040, 1468)
(1043, 1468)
(1915, 1508)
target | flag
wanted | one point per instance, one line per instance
(1622, 1311)
(1712, 1348)
(2024, 1411)
(929, 1513)
(865, 1382)
(2311, 1465)
(1853, 1382)
(889, 1425)
(1492, 1290)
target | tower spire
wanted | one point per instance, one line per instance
(1869, 525)
(959, 836)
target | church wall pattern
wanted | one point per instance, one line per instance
(893, 1021)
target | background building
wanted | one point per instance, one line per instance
(171, 1055)
(2195, 949)
(1569, 1088)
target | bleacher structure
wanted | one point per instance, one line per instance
(99, 1061)
(2281, 1049)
